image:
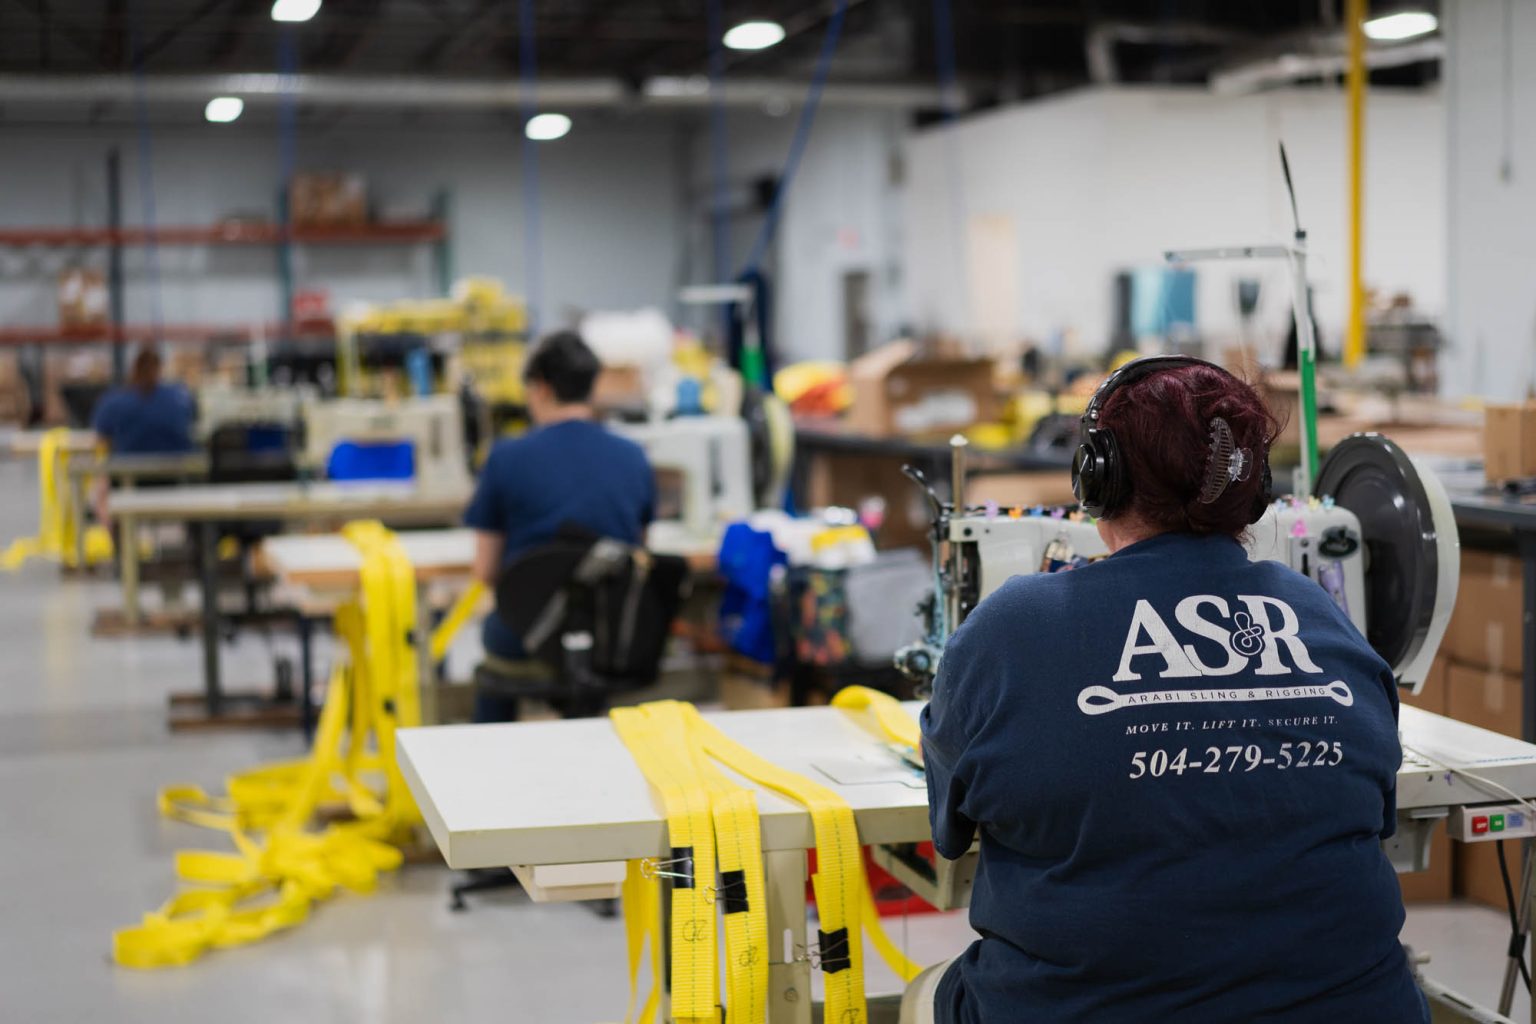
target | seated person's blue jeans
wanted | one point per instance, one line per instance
(501, 642)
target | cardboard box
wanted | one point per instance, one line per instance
(1487, 699)
(1477, 872)
(1509, 441)
(1435, 884)
(895, 391)
(618, 385)
(327, 199)
(82, 297)
(1433, 697)
(1486, 629)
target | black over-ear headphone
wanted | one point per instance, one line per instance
(1100, 479)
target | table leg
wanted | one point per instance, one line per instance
(306, 629)
(426, 672)
(208, 569)
(789, 978)
(128, 566)
(77, 500)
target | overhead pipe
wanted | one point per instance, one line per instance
(377, 91)
(1292, 67)
(1101, 39)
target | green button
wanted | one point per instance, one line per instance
(1496, 823)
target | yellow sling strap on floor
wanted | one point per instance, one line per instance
(58, 520)
(663, 757)
(281, 864)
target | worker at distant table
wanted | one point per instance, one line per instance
(147, 416)
(569, 472)
(1181, 764)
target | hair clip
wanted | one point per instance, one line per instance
(1227, 462)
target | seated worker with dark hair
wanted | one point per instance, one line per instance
(147, 416)
(568, 472)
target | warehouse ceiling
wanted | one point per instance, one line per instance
(1003, 50)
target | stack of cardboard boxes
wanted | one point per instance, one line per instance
(1483, 688)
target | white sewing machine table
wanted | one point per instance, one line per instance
(539, 795)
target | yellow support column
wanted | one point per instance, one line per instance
(1354, 338)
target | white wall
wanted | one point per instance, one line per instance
(1492, 216)
(610, 214)
(1103, 180)
(843, 213)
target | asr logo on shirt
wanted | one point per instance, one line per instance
(1263, 627)
(1257, 627)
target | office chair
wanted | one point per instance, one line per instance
(594, 616)
(250, 453)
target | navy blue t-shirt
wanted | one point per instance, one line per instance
(1181, 765)
(569, 473)
(134, 423)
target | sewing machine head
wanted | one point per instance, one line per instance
(710, 459)
(221, 404)
(1381, 540)
(415, 438)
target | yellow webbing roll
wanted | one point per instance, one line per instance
(281, 864)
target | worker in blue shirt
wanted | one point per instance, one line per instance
(568, 472)
(147, 416)
(1180, 763)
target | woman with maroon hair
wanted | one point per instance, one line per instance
(1180, 763)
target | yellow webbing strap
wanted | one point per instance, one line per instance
(461, 612)
(881, 714)
(674, 747)
(58, 520)
(281, 864)
(662, 753)
(641, 898)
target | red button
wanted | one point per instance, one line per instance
(1480, 825)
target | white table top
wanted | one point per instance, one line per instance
(301, 556)
(27, 442)
(287, 501)
(156, 464)
(568, 791)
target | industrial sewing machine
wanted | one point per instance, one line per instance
(727, 467)
(218, 405)
(432, 427)
(1378, 534)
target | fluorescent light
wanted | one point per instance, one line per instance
(547, 127)
(754, 35)
(1401, 25)
(223, 109)
(294, 10)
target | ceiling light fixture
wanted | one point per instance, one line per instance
(754, 35)
(547, 127)
(224, 109)
(1389, 28)
(294, 10)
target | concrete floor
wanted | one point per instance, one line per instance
(83, 748)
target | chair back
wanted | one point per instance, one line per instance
(597, 611)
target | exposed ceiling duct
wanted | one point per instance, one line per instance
(1285, 68)
(1101, 40)
(448, 93)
